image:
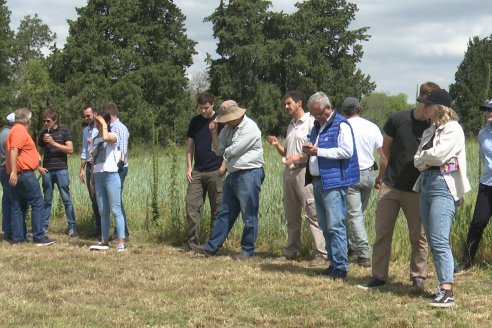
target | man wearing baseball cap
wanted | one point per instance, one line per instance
(7, 231)
(483, 205)
(239, 143)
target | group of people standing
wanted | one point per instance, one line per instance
(329, 175)
(103, 162)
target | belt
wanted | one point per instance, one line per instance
(23, 171)
(371, 168)
(434, 168)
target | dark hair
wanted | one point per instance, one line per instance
(111, 108)
(50, 113)
(107, 117)
(295, 95)
(204, 98)
(426, 88)
(351, 110)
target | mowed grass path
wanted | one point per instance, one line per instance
(67, 285)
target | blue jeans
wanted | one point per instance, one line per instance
(437, 209)
(330, 208)
(27, 192)
(240, 194)
(88, 168)
(6, 201)
(356, 201)
(62, 179)
(108, 196)
(122, 173)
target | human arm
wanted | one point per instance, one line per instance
(214, 131)
(190, 147)
(345, 147)
(384, 155)
(108, 137)
(14, 154)
(66, 148)
(82, 170)
(272, 140)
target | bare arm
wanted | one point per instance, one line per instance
(384, 155)
(274, 142)
(66, 148)
(82, 170)
(190, 147)
(14, 153)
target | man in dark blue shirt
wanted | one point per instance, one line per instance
(206, 176)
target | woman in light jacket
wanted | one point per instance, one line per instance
(441, 158)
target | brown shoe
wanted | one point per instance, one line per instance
(319, 260)
(200, 249)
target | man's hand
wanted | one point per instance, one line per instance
(213, 126)
(13, 179)
(48, 139)
(310, 149)
(188, 175)
(42, 170)
(82, 175)
(378, 182)
(272, 140)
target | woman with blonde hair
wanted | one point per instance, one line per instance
(441, 159)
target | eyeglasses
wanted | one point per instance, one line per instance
(46, 121)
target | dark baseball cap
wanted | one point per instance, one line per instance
(487, 105)
(437, 97)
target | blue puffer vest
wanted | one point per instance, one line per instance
(336, 172)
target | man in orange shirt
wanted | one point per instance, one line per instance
(22, 160)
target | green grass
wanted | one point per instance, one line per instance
(155, 285)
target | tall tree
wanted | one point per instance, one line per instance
(6, 38)
(473, 83)
(133, 52)
(31, 38)
(264, 54)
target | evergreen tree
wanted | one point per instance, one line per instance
(6, 39)
(473, 84)
(132, 52)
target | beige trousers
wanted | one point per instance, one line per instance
(389, 202)
(297, 197)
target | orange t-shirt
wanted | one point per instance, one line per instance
(19, 138)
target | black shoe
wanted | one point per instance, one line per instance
(444, 298)
(327, 271)
(462, 267)
(44, 242)
(338, 275)
(200, 249)
(242, 256)
(372, 283)
(363, 262)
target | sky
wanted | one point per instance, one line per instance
(412, 41)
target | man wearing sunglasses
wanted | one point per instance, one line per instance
(56, 142)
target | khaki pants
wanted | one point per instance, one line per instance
(389, 202)
(203, 183)
(296, 197)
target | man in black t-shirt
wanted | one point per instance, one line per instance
(206, 176)
(402, 133)
(56, 143)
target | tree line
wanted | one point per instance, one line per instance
(136, 52)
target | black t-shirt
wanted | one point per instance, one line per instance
(204, 158)
(55, 159)
(406, 132)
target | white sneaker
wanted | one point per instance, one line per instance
(99, 247)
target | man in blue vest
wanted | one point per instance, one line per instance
(333, 166)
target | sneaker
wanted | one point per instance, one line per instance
(372, 283)
(462, 267)
(72, 233)
(45, 242)
(200, 249)
(444, 298)
(418, 284)
(363, 262)
(99, 247)
(319, 260)
(121, 247)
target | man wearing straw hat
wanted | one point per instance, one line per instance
(239, 143)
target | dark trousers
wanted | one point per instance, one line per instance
(481, 217)
(95, 210)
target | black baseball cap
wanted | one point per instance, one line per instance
(437, 97)
(487, 105)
